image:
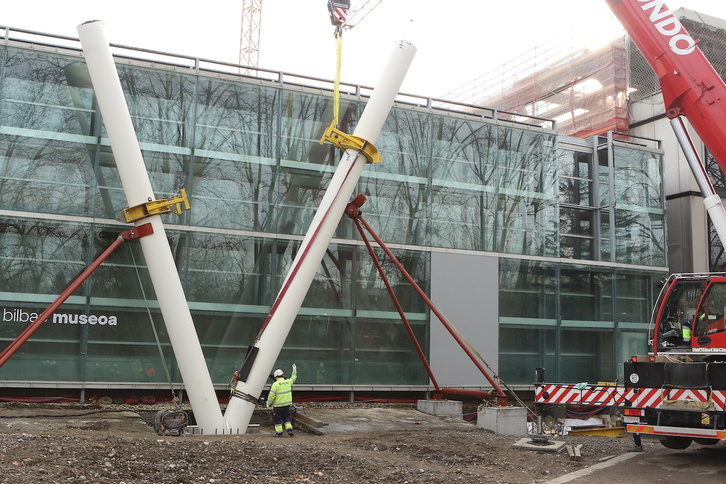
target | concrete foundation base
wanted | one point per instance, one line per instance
(503, 420)
(441, 408)
(529, 444)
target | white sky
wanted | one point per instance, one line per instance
(457, 40)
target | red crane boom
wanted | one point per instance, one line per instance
(691, 86)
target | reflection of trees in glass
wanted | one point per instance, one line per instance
(236, 118)
(40, 257)
(585, 295)
(639, 216)
(398, 205)
(462, 218)
(44, 176)
(527, 289)
(640, 237)
(577, 220)
(38, 174)
(526, 214)
(575, 179)
(159, 103)
(717, 256)
(393, 209)
(637, 178)
(371, 292)
(577, 229)
(35, 93)
(80, 92)
(304, 118)
(227, 269)
(233, 188)
(462, 153)
(302, 185)
(331, 287)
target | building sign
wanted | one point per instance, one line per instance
(17, 315)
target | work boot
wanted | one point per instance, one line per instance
(290, 433)
(278, 434)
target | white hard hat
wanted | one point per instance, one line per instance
(278, 373)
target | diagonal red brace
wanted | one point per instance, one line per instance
(135, 233)
(353, 211)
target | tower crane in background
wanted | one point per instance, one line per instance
(250, 28)
(249, 36)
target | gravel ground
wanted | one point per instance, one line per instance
(61, 443)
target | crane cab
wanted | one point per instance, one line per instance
(690, 317)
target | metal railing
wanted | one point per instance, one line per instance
(209, 66)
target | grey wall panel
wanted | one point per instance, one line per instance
(465, 289)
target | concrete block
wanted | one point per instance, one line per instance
(503, 420)
(441, 408)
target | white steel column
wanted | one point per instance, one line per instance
(159, 259)
(317, 239)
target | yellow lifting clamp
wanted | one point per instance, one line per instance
(346, 141)
(158, 207)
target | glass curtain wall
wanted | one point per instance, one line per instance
(249, 156)
(584, 320)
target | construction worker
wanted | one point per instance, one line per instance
(280, 399)
(686, 332)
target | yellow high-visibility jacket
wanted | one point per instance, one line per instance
(281, 391)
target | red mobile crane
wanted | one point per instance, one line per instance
(677, 392)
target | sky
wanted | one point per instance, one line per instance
(457, 41)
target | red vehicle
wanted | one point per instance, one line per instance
(676, 392)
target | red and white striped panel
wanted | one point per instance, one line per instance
(654, 397)
(556, 394)
(719, 400)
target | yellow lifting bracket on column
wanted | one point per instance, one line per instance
(346, 141)
(158, 207)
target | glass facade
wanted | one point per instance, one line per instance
(576, 268)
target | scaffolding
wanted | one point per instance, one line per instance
(585, 91)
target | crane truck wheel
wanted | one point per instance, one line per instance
(707, 441)
(678, 443)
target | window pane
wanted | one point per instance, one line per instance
(527, 289)
(586, 295)
(41, 257)
(522, 349)
(586, 356)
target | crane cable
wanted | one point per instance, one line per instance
(338, 12)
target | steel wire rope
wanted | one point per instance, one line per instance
(153, 327)
(176, 419)
(478, 355)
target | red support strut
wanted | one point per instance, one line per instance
(353, 211)
(135, 233)
(401, 313)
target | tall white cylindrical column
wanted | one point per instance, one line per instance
(317, 239)
(159, 259)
